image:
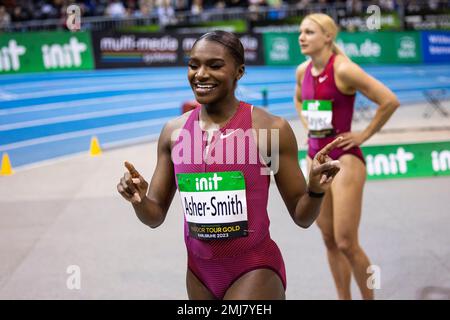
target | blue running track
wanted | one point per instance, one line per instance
(48, 115)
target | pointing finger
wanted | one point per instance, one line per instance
(327, 149)
(134, 173)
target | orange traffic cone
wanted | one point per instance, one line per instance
(6, 169)
(95, 149)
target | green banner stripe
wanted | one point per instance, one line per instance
(317, 105)
(361, 47)
(45, 51)
(403, 160)
(211, 181)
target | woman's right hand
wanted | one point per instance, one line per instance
(324, 168)
(132, 185)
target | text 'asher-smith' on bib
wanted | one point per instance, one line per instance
(214, 204)
(319, 115)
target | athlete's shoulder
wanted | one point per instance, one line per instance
(272, 123)
(343, 66)
(301, 69)
(262, 119)
(172, 125)
(178, 122)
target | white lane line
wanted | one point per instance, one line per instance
(125, 98)
(114, 87)
(87, 115)
(91, 102)
(102, 88)
(111, 112)
(82, 133)
(105, 146)
(6, 96)
(113, 79)
(56, 83)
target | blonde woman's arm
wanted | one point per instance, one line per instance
(353, 78)
(298, 92)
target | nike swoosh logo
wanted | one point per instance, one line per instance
(223, 136)
(322, 79)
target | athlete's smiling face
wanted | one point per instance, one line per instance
(212, 72)
(312, 38)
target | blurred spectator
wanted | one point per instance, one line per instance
(276, 9)
(131, 9)
(412, 6)
(20, 14)
(236, 3)
(197, 7)
(100, 7)
(58, 7)
(433, 4)
(354, 6)
(17, 11)
(181, 5)
(220, 5)
(275, 3)
(116, 9)
(211, 4)
(303, 4)
(166, 13)
(146, 7)
(88, 7)
(5, 18)
(255, 7)
(48, 11)
(388, 5)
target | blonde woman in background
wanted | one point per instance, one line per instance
(324, 99)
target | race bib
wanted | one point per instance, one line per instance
(214, 204)
(318, 114)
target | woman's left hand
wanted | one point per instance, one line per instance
(350, 140)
